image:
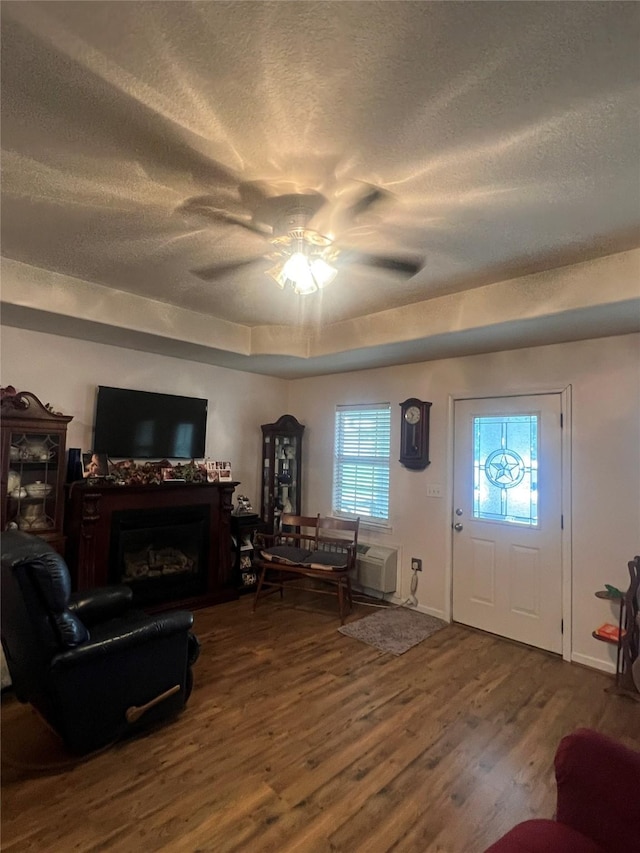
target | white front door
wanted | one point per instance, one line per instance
(507, 517)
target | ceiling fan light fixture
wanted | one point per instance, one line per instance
(294, 273)
(277, 275)
(302, 259)
(297, 271)
(322, 272)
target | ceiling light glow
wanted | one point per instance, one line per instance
(303, 261)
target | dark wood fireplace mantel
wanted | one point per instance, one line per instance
(89, 518)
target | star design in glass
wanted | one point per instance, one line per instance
(504, 468)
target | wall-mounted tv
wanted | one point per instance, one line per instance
(146, 425)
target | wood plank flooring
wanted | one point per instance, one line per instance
(297, 738)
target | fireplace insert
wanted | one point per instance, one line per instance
(161, 553)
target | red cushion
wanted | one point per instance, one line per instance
(598, 782)
(598, 809)
(543, 836)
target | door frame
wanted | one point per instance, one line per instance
(565, 534)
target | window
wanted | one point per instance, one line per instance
(361, 464)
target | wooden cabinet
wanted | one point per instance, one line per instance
(33, 458)
(243, 533)
(281, 470)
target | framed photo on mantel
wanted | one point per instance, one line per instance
(218, 471)
(95, 465)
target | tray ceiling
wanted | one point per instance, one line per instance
(506, 135)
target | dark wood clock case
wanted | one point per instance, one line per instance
(414, 433)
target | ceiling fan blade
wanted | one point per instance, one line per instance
(201, 206)
(405, 266)
(254, 193)
(218, 270)
(369, 197)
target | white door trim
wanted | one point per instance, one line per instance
(567, 557)
(567, 564)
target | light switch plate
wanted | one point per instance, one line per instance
(434, 490)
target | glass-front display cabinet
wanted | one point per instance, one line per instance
(281, 470)
(33, 467)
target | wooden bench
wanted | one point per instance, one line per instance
(311, 547)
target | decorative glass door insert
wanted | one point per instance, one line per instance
(505, 465)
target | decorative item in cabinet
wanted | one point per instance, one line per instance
(33, 466)
(281, 470)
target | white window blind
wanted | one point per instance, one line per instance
(361, 465)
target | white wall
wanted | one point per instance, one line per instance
(66, 372)
(605, 379)
(604, 375)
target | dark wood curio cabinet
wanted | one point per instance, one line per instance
(281, 470)
(33, 458)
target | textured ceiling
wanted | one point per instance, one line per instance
(506, 134)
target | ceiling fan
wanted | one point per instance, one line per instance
(301, 249)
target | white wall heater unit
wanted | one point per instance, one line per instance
(376, 568)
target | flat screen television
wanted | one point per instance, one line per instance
(146, 425)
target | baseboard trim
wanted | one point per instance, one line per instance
(431, 611)
(594, 663)
(421, 608)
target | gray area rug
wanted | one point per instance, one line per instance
(394, 629)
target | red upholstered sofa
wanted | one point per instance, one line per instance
(598, 807)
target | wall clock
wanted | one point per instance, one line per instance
(414, 434)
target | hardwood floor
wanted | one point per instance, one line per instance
(297, 738)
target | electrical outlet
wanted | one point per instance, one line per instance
(416, 564)
(434, 490)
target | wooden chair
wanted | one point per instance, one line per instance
(310, 547)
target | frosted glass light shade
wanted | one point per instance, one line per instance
(305, 275)
(322, 272)
(296, 269)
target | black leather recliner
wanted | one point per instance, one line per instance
(95, 669)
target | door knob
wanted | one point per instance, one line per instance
(457, 526)
(458, 511)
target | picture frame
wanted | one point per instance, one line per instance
(224, 471)
(95, 465)
(218, 471)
